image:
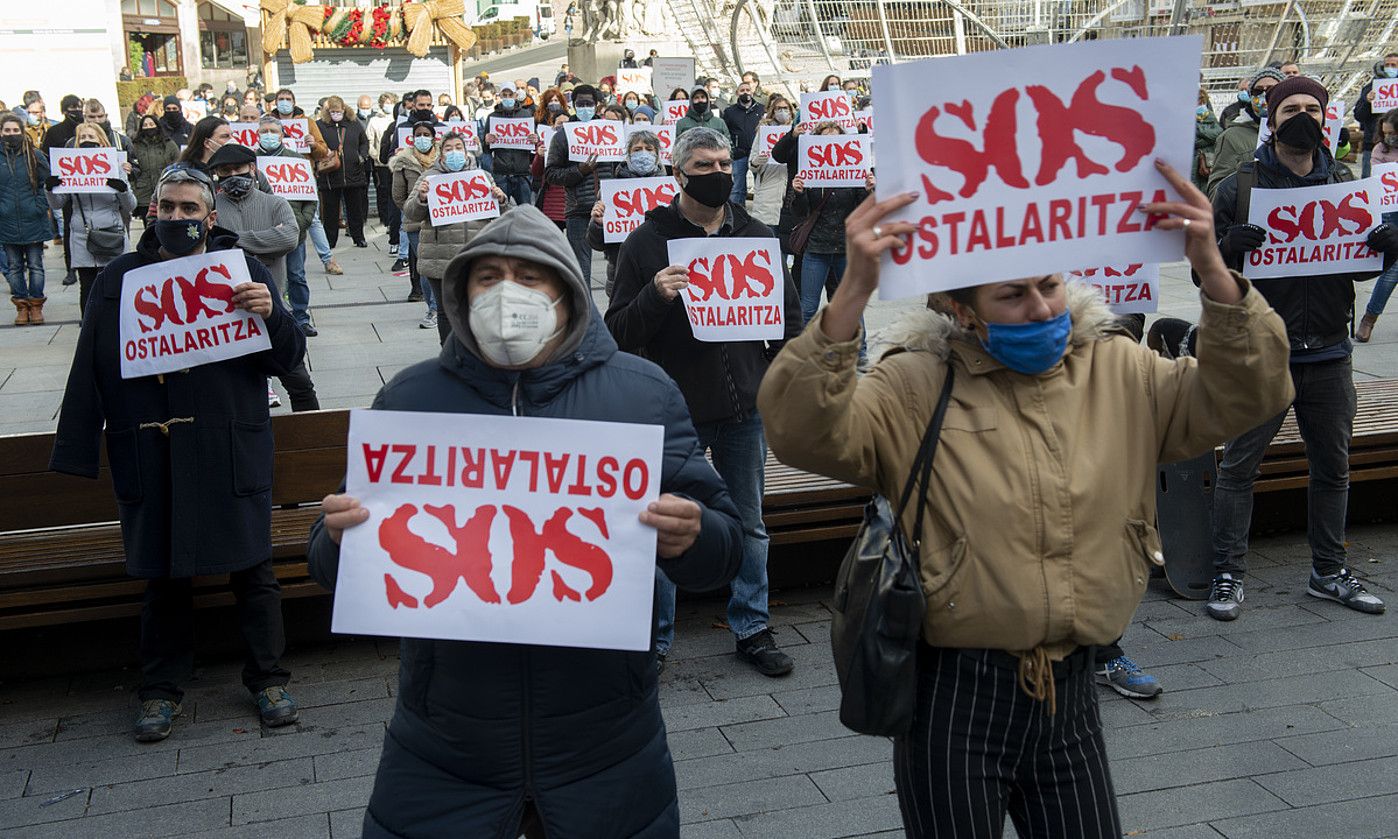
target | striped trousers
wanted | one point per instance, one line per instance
(980, 747)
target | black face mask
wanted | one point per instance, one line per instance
(87, 145)
(74, 116)
(180, 237)
(13, 142)
(235, 186)
(555, 108)
(711, 190)
(745, 98)
(699, 107)
(173, 118)
(424, 115)
(149, 133)
(1300, 132)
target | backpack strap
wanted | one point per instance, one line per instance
(1245, 179)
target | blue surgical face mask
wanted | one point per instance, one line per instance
(454, 160)
(585, 112)
(285, 106)
(422, 143)
(1391, 72)
(641, 161)
(269, 141)
(1244, 96)
(1202, 110)
(1029, 348)
(507, 103)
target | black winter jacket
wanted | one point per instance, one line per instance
(348, 137)
(1316, 309)
(508, 161)
(580, 190)
(742, 127)
(834, 204)
(718, 380)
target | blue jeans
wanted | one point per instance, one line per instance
(577, 238)
(1383, 287)
(316, 233)
(739, 452)
(298, 291)
(815, 267)
(740, 182)
(1366, 157)
(427, 296)
(21, 257)
(516, 187)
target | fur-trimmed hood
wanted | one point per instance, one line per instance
(924, 330)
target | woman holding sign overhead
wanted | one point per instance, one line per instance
(1037, 535)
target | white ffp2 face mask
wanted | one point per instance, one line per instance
(512, 323)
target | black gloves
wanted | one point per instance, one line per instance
(52, 181)
(117, 184)
(1241, 238)
(1383, 239)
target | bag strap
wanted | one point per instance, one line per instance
(1245, 180)
(921, 473)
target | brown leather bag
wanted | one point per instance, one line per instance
(334, 159)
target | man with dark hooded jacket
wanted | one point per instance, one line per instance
(488, 735)
(579, 179)
(511, 166)
(719, 380)
(1316, 310)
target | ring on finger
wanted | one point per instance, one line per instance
(877, 231)
(1186, 223)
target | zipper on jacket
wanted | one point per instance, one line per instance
(514, 399)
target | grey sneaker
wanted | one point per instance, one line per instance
(276, 707)
(429, 321)
(1225, 598)
(153, 723)
(1344, 588)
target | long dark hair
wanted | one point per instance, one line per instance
(26, 148)
(203, 130)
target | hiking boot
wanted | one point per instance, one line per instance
(1122, 675)
(36, 310)
(1366, 328)
(1225, 598)
(429, 321)
(21, 310)
(761, 652)
(333, 267)
(1344, 588)
(153, 723)
(276, 707)
(398, 265)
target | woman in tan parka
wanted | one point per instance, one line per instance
(1039, 530)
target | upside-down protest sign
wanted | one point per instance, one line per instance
(1128, 289)
(625, 202)
(1034, 160)
(179, 314)
(460, 196)
(520, 530)
(736, 290)
(1314, 230)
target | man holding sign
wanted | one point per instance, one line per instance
(719, 379)
(190, 449)
(482, 728)
(1311, 251)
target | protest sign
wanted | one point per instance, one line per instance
(674, 111)
(1314, 230)
(512, 133)
(1385, 96)
(625, 202)
(536, 540)
(1128, 289)
(460, 196)
(767, 138)
(736, 288)
(85, 170)
(179, 314)
(633, 80)
(1024, 178)
(1264, 133)
(244, 133)
(605, 138)
(296, 133)
(1387, 176)
(671, 73)
(865, 119)
(546, 137)
(833, 160)
(194, 109)
(834, 106)
(664, 133)
(1334, 124)
(467, 131)
(292, 178)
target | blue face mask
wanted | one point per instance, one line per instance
(454, 160)
(1244, 96)
(422, 144)
(507, 103)
(269, 142)
(585, 112)
(285, 107)
(1391, 72)
(1202, 110)
(641, 161)
(1029, 348)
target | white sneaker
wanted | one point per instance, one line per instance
(429, 321)
(273, 400)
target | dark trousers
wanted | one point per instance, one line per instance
(356, 202)
(443, 323)
(389, 214)
(577, 238)
(167, 632)
(300, 389)
(980, 747)
(86, 277)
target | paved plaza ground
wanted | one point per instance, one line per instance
(1282, 724)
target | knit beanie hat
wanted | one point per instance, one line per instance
(1291, 87)
(1265, 73)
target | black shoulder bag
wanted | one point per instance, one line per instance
(102, 242)
(879, 604)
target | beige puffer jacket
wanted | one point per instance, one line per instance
(437, 246)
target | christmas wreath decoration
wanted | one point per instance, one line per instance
(293, 23)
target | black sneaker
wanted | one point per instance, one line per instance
(153, 723)
(1344, 588)
(415, 296)
(761, 652)
(70, 278)
(361, 244)
(276, 707)
(308, 330)
(398, 265)
(660, 663)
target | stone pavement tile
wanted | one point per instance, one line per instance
(309, 741)
(1175, 677)
(1322, 634)
(675, 692)
(743, 799)
(179, 820)
(701, 742)
(12, 783)
(356, 333)
(173, 789)
(796, 759)
(816, 632)
(35, 377)
(347, 824)
(1343, 746)
(27, 732)
(1182, 651)
(1388, 674)
(718, 829)
(740, 710)
(348, 714)
(700, 640)
(33, 336)
(786, 730)
(24, 407)
(1256, 667)
(728, 678)
(32, 810)
(348, 382)
(1273, 618)
(1339, 782)
(1163, 610)
(1291, 690)
(856, 781)
(307, 798)
(1119, 712)
(352, 764)
(809, 700)
(1358, 713)
(367, 357)
(1192, 831)
(1187, 805)
(1197, 766)
(1371, 818)
(856, 817)
(310, 826)
(93, 773)
(316, 694)
(1220, 730)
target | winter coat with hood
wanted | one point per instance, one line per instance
(437, 246)
(1315, 309)
(407, 167)
(480, 728)
(170, 477)
(710, 119)
(1039, 531)
(596, 238)
(1234, 146)
(580, 189)
(93, 211)
(718, 379)
(24, 209)
(150, 156)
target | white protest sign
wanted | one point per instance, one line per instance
(865, 119)
(736, 288)
(85, 170)
(460, 196)
(517, 530)
(1387, 176)
(625, 202)
(512, 133)
(633, 80)
(669, 74)
(1334, 125)
(664, 133)
(441, 129)
(179, 314)
(833, 160)
(605, 138)
(293, 178)
(1128, 289)
(296, 134)
(1022, 178)
(1314, 230)
(194, 109)
(833, 106)
(546, 137)
(1385, 95)
(1264, 133)
(244, 133)
(674, 111)
(767, 138)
